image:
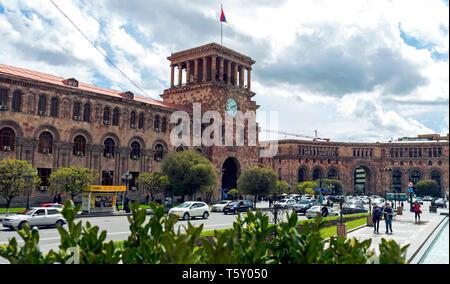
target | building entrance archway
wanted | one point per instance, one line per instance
(230, 173)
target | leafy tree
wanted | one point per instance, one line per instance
(428, 187)
(282, 187)
(13, 181)
(153, 183)
(257, 182)
(307, 187)
(189, 172)
(234, 193)
(72, 181)
(333, 184)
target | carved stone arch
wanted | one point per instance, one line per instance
(137, 139)
(318, 169)
(371, 174)
(333, 168)
(201, 150)
(83, 133)
(48, 128)
(303, 174)
(14, 126)
(415, 169)
(113, 136)
(162, 142)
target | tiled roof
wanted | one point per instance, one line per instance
(58, 81)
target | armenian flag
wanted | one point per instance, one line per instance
(222, 18)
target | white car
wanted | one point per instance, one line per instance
(35, 217)
(312, 212)
(286, 203)
(191, 209)
(219, 206)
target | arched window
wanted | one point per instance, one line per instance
(45, 143)
(77, 111)
(164, 125)
(397, 180)
(42, 105)
(107, 115)
(54, 106)
(333, 174)
(301, 175)
(115, 119)
(141, 121)
(180, 149)
(159, 152)
(317, 174)
(79, 146)
(7, 139)
(109, 148)
(133, 119)
(135, 151)
(157, 123)
(17, 101)
(436, 176)
(87, 113)
(415, 177)
(3, 97)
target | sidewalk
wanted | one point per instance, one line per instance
(405, 231)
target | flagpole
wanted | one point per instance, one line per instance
(221, 27)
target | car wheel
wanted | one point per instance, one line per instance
(186, 216)
(21, 225)
(205, 215)
(59, 223)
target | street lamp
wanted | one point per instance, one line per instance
(126, 177)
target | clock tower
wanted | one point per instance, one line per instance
(219, 79)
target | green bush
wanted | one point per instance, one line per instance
(252, 240)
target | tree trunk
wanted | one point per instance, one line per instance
(8, 203)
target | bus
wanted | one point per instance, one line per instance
(397, 196)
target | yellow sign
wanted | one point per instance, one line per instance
(106, 188)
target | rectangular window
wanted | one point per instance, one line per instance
(3, 97)
(107, 178)
(44, 175)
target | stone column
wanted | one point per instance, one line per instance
(249, 78)
(180, 75)
(229, 73)
(172, 76)
(241, 76)
(221, 69)
(235, 75)
(195, 70)
(205, 68)
(213, 68)
(188, 72)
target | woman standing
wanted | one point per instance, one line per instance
(376, 217)
(417, 211)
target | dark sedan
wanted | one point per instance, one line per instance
(353, 209)
(240, 206)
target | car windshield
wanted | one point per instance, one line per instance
(185, 205)
(303, 202)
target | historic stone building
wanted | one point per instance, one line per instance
(58, 122)
(364, 167)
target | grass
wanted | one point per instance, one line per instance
(332, 231)
(11, 210)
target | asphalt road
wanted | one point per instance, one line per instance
(117, 229)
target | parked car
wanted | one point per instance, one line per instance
(350, 208)
(240, 206)
(35, 217)
(302, 206)
(418, 200)
(191, 209)
(219, 206)
(441, 202)
(313, 211)
(285, 204)
(427, 198)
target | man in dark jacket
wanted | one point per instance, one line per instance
(388, 215)
(376, 217)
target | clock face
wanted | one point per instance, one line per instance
(232, 107)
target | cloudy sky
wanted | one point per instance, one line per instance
(355, 70)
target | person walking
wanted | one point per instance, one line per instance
(376, 217)
(388, 215)
(324, 211)
(417, 211)
(270, 202)
(59, 199)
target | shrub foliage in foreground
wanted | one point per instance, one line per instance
(252, 240)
